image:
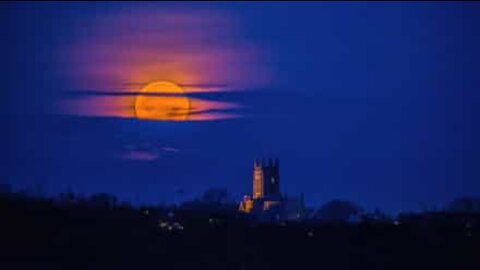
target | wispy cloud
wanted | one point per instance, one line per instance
(147, 152)
(140, 155)
(170, 149)
(123, 106)
(199, 49)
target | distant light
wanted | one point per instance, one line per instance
(146, 212)
(310, 234)
(162, 224)
(210, 220)
(396, 223)
(178, 225)
(170, 226)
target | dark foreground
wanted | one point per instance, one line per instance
(42, 234)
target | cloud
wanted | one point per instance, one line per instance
(202, 50)
(140, 155)
(146, 152)
(170, 149)
(123, 106)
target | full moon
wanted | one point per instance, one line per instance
(150, 104)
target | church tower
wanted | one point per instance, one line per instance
(266, 201)
(266, 180)
(258, 187)
(271, 179)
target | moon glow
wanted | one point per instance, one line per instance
(172, 107)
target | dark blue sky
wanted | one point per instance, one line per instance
(371, 102)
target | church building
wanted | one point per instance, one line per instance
(266, 200)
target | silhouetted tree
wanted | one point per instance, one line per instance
(376, 216)
(217, 196)
(338, 211)
(66, 198)
(103, 200)
(213, 200)
(464, 205)
(5, 189)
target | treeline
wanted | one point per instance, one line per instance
(220, 201)
(99, 232)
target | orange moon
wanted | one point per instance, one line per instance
(149, 106)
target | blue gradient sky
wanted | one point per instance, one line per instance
(371, 102)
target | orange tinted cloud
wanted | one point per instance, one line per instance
(123, 107)
(189, 47)
(122, 51)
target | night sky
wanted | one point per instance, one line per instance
(376, 103)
